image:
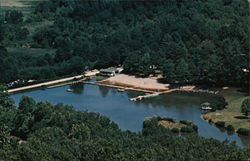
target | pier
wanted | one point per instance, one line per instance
(152, 95)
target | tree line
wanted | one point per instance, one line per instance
(192, 41)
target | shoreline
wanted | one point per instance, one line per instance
(234, 98)
(121, 81)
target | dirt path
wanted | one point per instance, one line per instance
(44, 84)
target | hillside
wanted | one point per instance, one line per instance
(191, 42)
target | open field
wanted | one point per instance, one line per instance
(17, 3)
(171, 125)
(234, 99)
(34, 26)
(30, 51)
(24, 5)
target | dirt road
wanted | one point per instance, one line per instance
(44, 84)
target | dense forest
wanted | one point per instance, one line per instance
(190, 41)
(41, 131)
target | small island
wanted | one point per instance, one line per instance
(183, 126)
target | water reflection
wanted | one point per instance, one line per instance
(78, 88)
(245, 140)
(103, 91)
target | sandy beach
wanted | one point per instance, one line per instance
(146, 83)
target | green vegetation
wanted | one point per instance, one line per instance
(220, 123)
(18, 53)
(243, 131)
(187, 129)
(42, 131)
(192, 41)
(169, 123)
(218, 103)
(186, 122)
(230, 128)
(245, 107)
(232, 114)
(175, 130)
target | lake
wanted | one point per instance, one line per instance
(130, 115)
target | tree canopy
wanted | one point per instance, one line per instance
(245, 107)
(204, 42)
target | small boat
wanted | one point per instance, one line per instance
(69, 90)
(120, 90)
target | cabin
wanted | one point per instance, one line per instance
(111, 71)
(206, 106)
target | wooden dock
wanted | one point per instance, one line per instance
(152, 95)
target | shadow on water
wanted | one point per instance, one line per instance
(78, 88)
(104, 90)
(245, 140)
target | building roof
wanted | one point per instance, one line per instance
(206, 104)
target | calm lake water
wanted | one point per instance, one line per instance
(130, 115)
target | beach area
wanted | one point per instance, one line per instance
(150, 83)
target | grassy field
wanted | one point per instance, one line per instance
(34, 26)
(171, 125)
(234, 99)
(18, 3)
(30, 51)
(26, 6)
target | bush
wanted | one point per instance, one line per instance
(195, 127)
(186, 122)
(187, 129)
(230, 128)
(169, 119)
(245, 107)
(220, 123)
(175, 130)
(243, 131)
(213, 110)
(218, 103)
(241, 117)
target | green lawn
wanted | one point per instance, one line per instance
(26, 6)
(30, 51)
(234, 99)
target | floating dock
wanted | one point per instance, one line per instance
(152, 95)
